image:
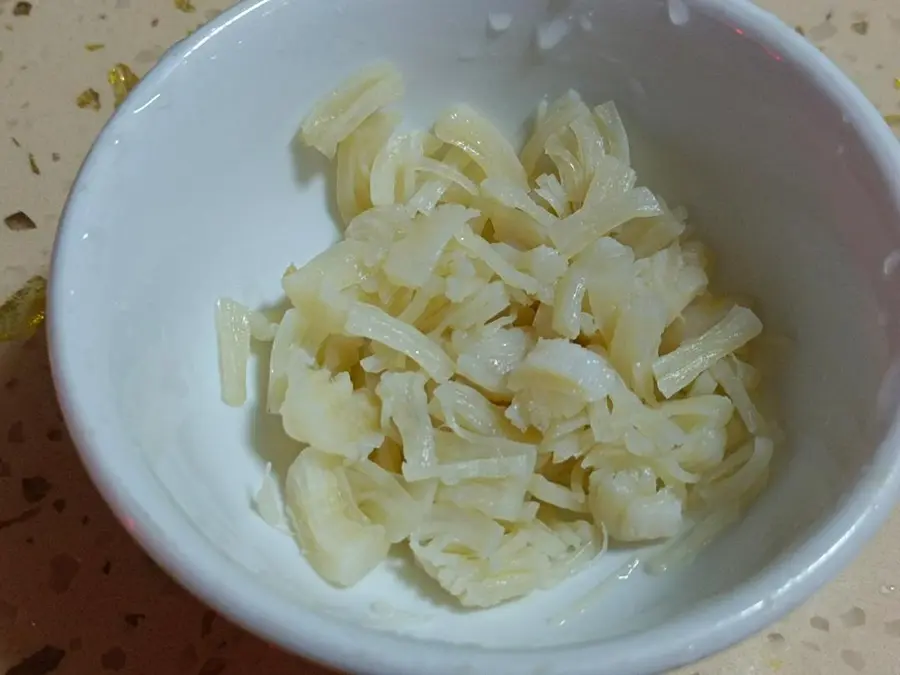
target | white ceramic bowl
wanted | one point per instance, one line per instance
(193, 191)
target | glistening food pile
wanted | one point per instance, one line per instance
(509, 359)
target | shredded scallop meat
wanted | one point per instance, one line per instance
(510, 359)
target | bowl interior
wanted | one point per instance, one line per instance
(196, 191)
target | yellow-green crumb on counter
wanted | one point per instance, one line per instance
(122, 80)
(89, 98)
(23, 313)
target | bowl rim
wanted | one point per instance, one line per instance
(707, 629)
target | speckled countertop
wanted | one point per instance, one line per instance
(76, 595)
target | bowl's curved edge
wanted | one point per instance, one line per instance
(763, 600)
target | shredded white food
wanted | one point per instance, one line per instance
(509, 360)
(233, 328)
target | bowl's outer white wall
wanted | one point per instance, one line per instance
(201, 195)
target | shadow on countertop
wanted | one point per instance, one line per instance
(77, 595)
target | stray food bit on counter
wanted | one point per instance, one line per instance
(23, 313)
(122, 80)
(32, 162)
(94, 46)
(800, 30)
(860, 27)
(55, 156)
(892, 120)
(89, 98)
(19, 221)
(15, 142)
(185, 6)
(897, 83)
(22, 9)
